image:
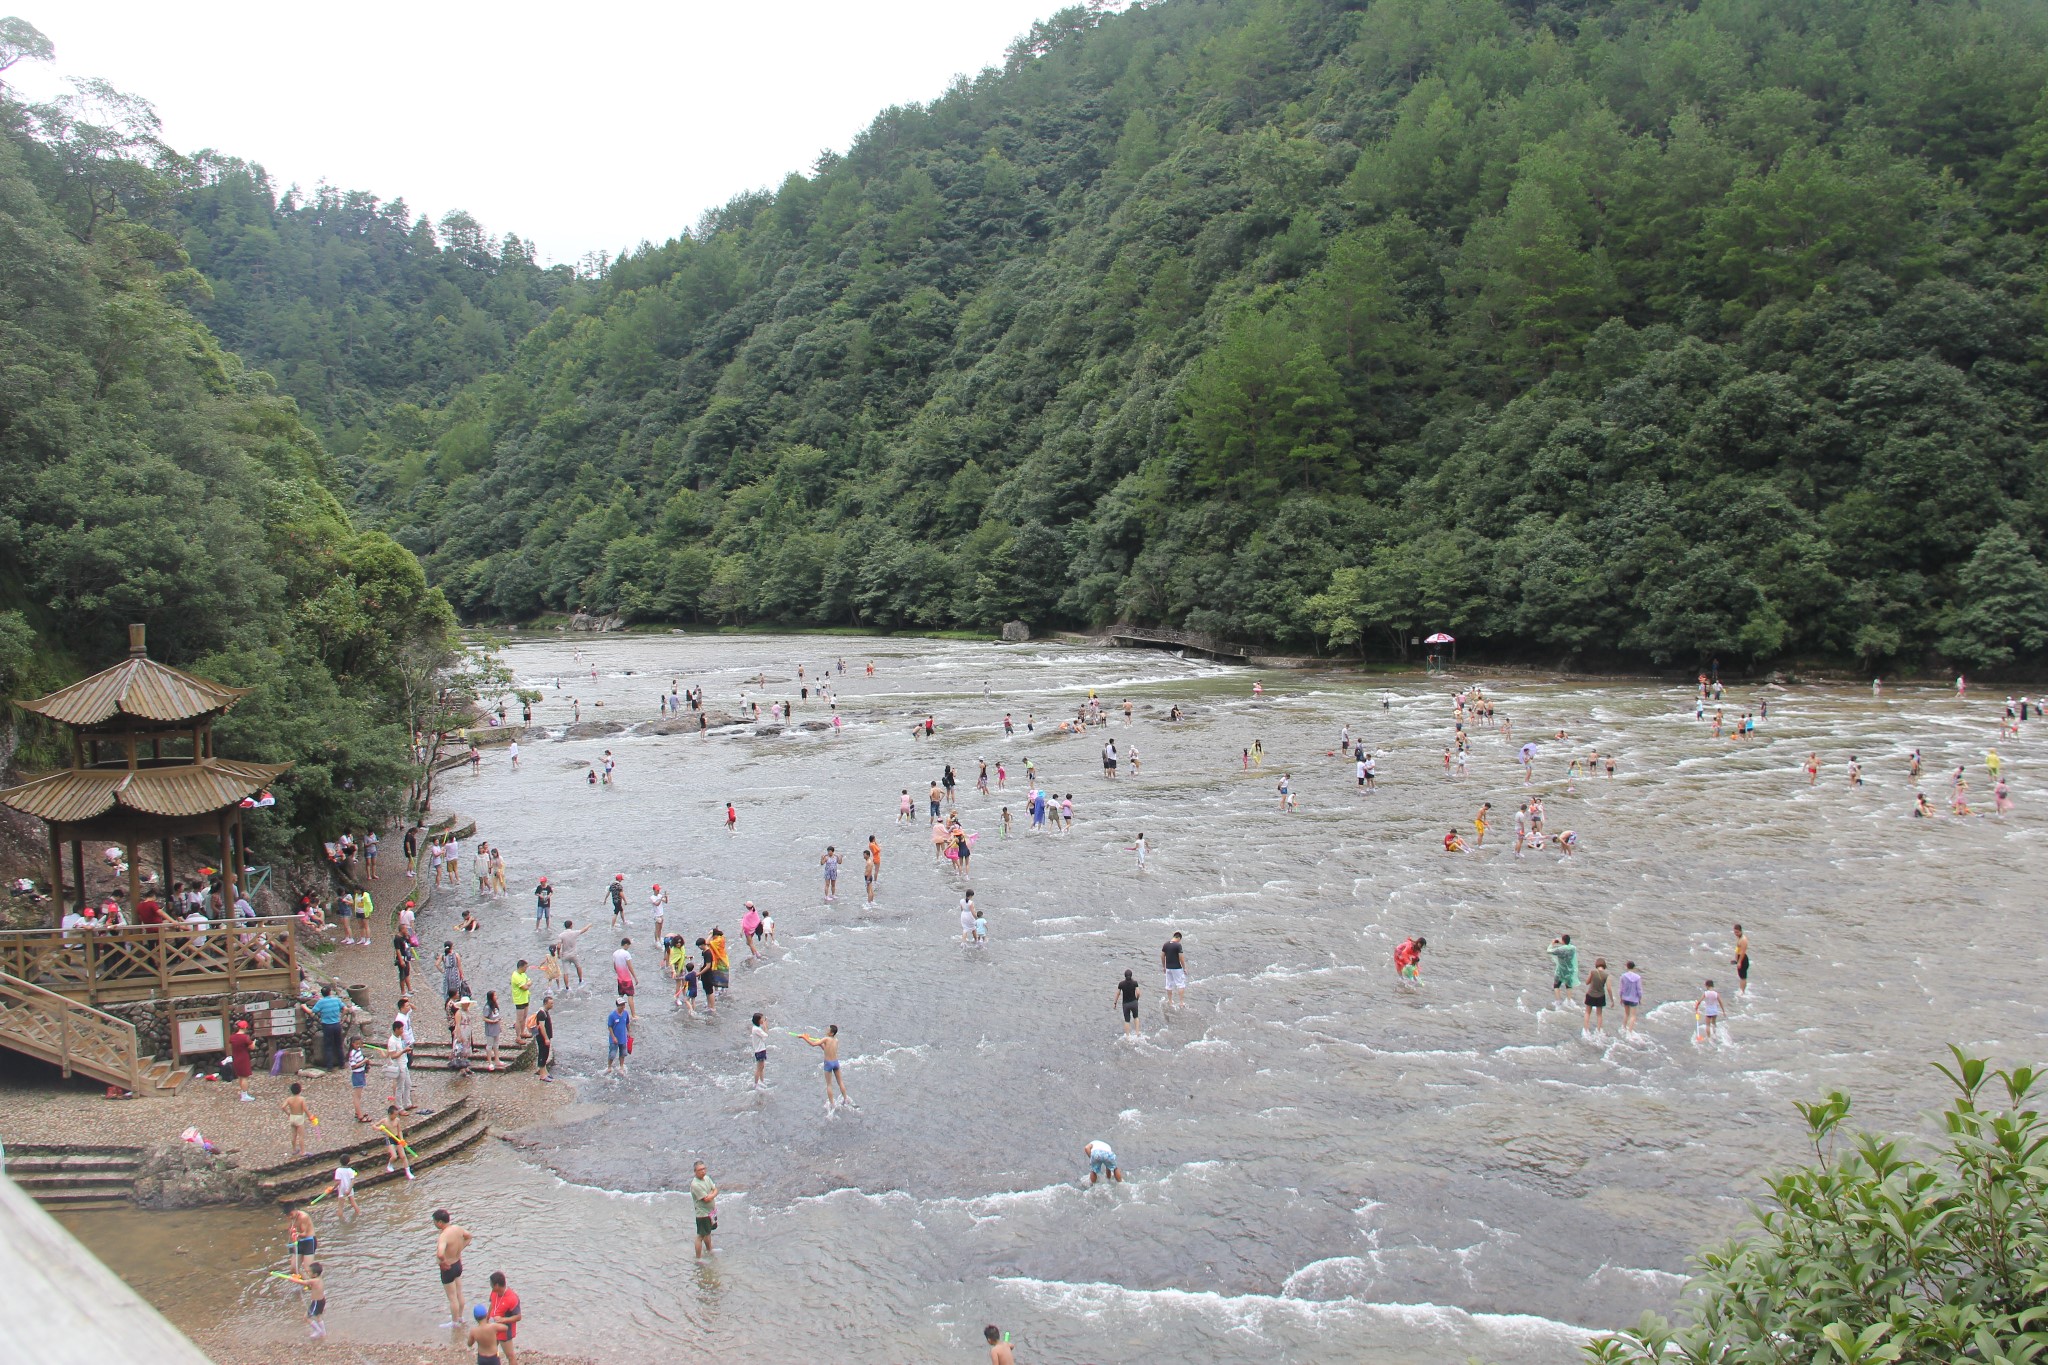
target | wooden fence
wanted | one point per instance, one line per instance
(165, 962)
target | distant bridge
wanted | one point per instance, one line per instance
(1160, 637)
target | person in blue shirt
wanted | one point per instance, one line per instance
(327, 1011)
(618, 1038)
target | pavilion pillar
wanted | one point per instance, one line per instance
(56, 876)
(227, 864)
(163, 875)
(78, 868)
(134, 853)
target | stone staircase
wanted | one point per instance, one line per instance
(440, 1135)
(428, 1056)
(76, 1177)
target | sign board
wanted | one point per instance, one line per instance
(191, 1033)
(277, 1023)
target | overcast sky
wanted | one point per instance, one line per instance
(581, 127)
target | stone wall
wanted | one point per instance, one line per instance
(152, 1020)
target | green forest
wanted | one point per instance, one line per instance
(1585, 331)
(148, 475)
(1590, 332)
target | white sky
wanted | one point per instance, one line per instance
(581, 127)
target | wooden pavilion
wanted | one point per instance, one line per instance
(143, 769)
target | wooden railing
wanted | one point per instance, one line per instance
(76, 1037)
(141, 962)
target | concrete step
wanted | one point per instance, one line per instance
(23, 1167)
(437, 1057)
(368, 1148)
(427, 1151)
(83, 1203)
(39, 1149)
(89, 1178)
(36, 1182)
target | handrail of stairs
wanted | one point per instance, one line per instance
(73, 1035)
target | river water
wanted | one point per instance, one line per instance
(1322, 1163)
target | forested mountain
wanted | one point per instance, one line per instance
(1644, 330)
(354, 305)
(147, 475)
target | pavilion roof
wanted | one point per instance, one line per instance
(138, 687)
(73, 794)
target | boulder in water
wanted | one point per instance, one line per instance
(183, 1175)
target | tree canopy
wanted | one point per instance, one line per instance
(147, 475)
(1594, 330)
(1599, 330)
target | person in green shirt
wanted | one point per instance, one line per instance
(522, 994)
(1564, 976)
(704, 1203)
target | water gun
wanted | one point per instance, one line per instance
(403, 1144)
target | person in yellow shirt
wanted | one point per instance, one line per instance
(522, 995)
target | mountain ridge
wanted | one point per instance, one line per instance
(1613, 332)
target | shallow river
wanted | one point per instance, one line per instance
(1322, 1163)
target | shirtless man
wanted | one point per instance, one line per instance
(829, 1045)
(565, 948)
(450, 1240)
(1741, 961)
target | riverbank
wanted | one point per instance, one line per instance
(42, 1110)
(226, 1348)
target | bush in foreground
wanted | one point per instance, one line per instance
(1868, 1254)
